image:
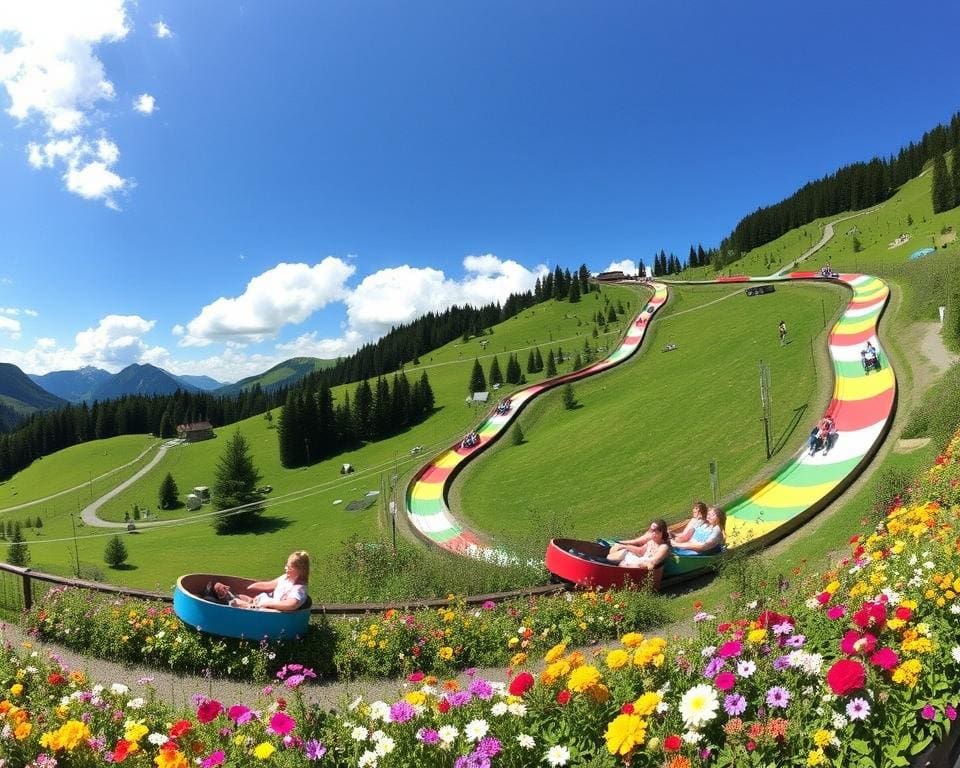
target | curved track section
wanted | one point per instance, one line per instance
(426, 497)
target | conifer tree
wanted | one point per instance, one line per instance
(551, 365)
(517, 434)
(478, 382)
(381, 408)
(955, 175)
(290, 433)
(363, 411)
(168, 493)
(235, 485)
(584, 275)
(941, 190)
(115, 553)
(538, 358)
(38, 523)
(18, 553)
(514, 374)
(531, 362)
(573, 295)
(426, 392)
(495, 376)
(569, 399)
(611, 315)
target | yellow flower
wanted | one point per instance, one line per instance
(263, 750)
(757, 635)
(646, 704)
(445, 653)
(135, 731)
(822, 737)
(816, 757)
(67, 736)
(832, 587)
(908, 673)
(170, 758)
(16, 689)
(624, 733)
(22, 731)
(618, 658)
(631, 639)
(517, 659)
(583, 678)
(650, 651)
(555, 653)
(417, 698)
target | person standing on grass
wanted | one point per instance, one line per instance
(782, 328)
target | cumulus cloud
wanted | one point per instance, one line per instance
(52, 74)
(161, 30)
(10, 327)
(16, 311)
(285, 294)
(627, 266)
(145, 104)
(114, 343)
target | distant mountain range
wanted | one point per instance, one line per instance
(281, 375)
(19, 397)
(74, 386)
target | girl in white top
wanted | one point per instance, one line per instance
(284, 593)
(649, 554)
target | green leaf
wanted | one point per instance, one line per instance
(919, 746)
(860, 747)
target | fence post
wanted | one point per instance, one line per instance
(27, 591)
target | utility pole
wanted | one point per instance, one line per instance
(766, 404)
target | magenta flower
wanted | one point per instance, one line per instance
(488, 605)
(281, 723)
(725, 681)
(240, 714)
(950, 712)
(928, 712)
(731, 648)
(428, 736)
(402, 711)
(836, 612)
(214, 759)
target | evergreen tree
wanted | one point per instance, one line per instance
(168, 493)
(235, 485)
(857, 245)
(569, 399)
(573, 295)
(551, 365)
(426, 393)
(584, 275)
(611, 315)
(692, 258)
(539, 359)
(516, 434)
(559, 287)
(514, 374)
(955, 175)
(363, 411)
(531, 362)
(290, 434)
(18, 553)
(495, 376)
(477, 381)
(115, 553)
(941, 190)
(38, 523)
(577, 363)
(702, 259)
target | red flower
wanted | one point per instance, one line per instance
(846, 676)
(903, 613)
(885, 658)
(627, 709)
(209, 710)
(854, 642)
(751, 745)
(723, 627)
(120, 751)
(179, 728)
(521, 684)
(55, 678)
(871, 615)
(672, 743)
(443, 707)
(563, 697)
(770, 618)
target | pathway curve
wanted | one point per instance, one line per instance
(825, 238)
(85, 483)
(89, 512)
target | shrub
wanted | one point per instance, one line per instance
(115, 553)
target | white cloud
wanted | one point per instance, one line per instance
(161, 30)
(114, 343)
(16, 311)
(10, 327)
(145, 104)
(308, 345)
(52, 73)
(627, 266)
(287, 293)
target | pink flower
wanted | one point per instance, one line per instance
(885, 658)
(281, 723)
(415, 677)
(928, 712)
(209, 710)
(240, 714)
(214, 760)
(725, 681)
(731, 648)
(950, 712)
(854, 642)
(488, 605)
(836, 612)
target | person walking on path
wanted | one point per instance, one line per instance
(782, 328)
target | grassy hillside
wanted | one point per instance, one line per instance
(312, 519)
(639, 444)
(281, 375)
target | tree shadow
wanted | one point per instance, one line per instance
(261, 525)
(788, 432)
(124, 567)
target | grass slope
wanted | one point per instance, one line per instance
(158, 556)
(639, 444)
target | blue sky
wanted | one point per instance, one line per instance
(214, 187)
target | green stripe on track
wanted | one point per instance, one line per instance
(854, 370)
(750, 512)
(797, 475)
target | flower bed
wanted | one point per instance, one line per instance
(852, 668)
(439, 641)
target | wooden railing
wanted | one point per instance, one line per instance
(28, 578)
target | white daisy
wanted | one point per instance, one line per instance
(476, 730)
(448, 734)
(359, 733)
(699, 705)
(558, 755)
(526, 741)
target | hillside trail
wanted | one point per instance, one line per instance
(85, 483)
(824, 239)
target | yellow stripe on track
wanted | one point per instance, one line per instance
(852, 327)
(741, 531)
(776, 495)
(863, 387)
(449, 460)
(427, 491)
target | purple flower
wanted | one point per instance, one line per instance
(796, 641)
(734, 704)
(428, 736)
(481, 689)
(489, 747)
(294, 680)
(713, 667)
(784, 628)
(858, 709)
(928, 712)
(314, 750)
(781, 663)
(778, 696)
(402, 711)
(459, 699)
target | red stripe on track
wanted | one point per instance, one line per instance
(631, 340)
(435, 475)
(802, 275)
(852, 339)
(859, 414)
(864, 303)
(734, 279)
